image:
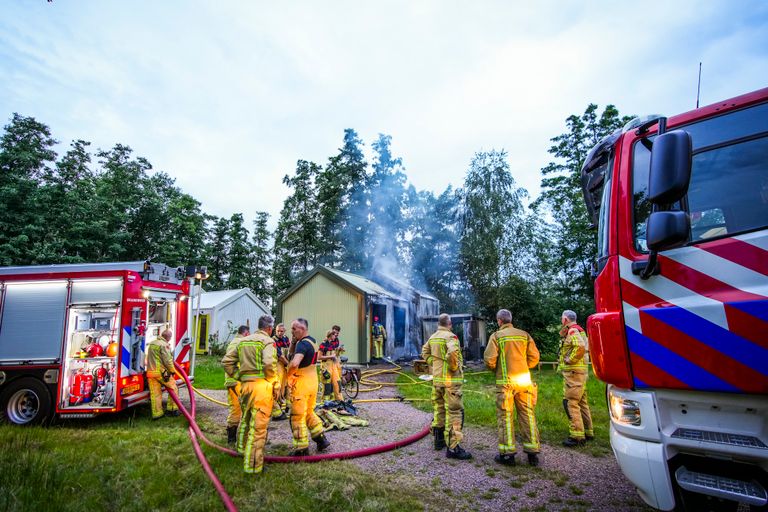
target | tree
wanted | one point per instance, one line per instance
(26, 154)
(387, 197)
(239, 253)
(574, 243)
(342, 201)
(297, 237)
(260, 261)
(217, 252)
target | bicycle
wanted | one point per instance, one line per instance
(350, 380)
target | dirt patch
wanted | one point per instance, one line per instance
(566, 479)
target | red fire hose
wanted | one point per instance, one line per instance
(195, 432)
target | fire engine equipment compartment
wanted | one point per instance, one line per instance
(93, 321)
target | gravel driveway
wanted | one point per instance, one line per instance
(566, 480)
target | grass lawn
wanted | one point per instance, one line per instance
(128, 462)
(480, 406)
(208, 372)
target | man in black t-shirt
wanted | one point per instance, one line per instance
(302, 380)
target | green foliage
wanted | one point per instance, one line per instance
(574, 243)
(123, 462)
(260, 261)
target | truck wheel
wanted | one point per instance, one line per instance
(25, 401)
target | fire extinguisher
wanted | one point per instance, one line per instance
(100, 376)
(87, 387)
(76, 389)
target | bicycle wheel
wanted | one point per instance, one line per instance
(351, 386)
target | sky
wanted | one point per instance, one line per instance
(227, 96)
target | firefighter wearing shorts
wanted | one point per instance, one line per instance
(330, 366)
(161, 374)
(282, 344)
(254, 363)
(443, 354)
(511, 352)
(572, 362)
(233, 388)
(302, 382)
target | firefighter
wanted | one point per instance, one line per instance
(302, 381)
(330, 369)
(254, 363)
(233, 388)
(572, 362)
(160, 373)
(443, 354)
(379, 336)
(511, 352)
(282, 343)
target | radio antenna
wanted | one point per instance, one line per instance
(698, 87)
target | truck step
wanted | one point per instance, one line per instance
(750, 493)
(739, 440)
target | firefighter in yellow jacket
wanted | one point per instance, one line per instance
(443, 355)
(511, 352)
(379, 336)
(160, 374)
(573, 364)
(254, 363)
(302, 381)
(233, 388)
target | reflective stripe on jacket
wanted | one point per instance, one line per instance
(443, 354)
(255, 357)
(511, 352)
(573, 348)
(230, 380)
(159, 357)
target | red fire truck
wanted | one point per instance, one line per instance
(680, 333)
(73, 337)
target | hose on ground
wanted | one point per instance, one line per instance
(195, 433)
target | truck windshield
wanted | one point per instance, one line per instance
(729, 181)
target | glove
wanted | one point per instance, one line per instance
(166, 375)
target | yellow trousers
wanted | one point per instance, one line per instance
(511, 399)
(156, 386)
(335, 370)
(256, 404)
(279, 404)
(576, 405)
(235, 412)
(378, 344)
(304, 422)
(447, 403)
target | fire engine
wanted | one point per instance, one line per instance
(680, 333)
(73, 337)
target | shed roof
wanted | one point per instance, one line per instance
(342, 278)
(221, 298)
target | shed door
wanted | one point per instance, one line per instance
(32, 326)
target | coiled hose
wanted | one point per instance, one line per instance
(195, 433)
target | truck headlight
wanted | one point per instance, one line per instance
(623, 410)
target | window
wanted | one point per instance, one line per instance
(728, 193)
(603, 224)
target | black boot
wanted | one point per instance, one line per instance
(533, 459)
(322, 442)
(572, 443)
(458, 453)
(439, 433)
(507, 459)
(231, 435)
(299, 453)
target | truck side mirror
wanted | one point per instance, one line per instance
(667, 230)
(670, 172)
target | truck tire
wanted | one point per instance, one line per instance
(25, 401)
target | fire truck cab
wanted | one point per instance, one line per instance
(680, 333)
(73, 337)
